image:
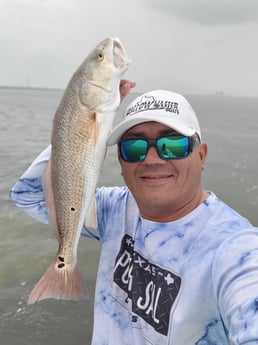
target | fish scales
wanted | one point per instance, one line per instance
(70, 161)
(80, 130)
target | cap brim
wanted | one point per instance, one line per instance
(130, 122)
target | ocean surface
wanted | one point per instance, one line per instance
(230, 128)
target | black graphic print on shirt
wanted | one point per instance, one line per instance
(149, 289)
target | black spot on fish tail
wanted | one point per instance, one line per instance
(72, 209)
(61, 258)
(61, 265)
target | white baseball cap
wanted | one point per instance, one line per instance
(166, 107)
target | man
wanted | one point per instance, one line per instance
(178, 266)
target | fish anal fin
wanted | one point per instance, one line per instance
(91, 217)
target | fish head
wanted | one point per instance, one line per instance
(100, 75)
(109, 56)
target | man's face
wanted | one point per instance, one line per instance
(163, 188)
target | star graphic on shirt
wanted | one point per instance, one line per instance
(129, 242)
(169, 279)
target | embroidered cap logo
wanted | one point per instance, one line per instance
(147, 103)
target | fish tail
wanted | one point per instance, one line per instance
(59, 282)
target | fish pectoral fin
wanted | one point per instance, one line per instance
(91, 217)
(97, 129)
(103, 126)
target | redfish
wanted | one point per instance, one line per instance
(81, 126)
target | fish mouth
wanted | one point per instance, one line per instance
(120, 57)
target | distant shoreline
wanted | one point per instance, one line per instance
(30, 88)
(218, 95)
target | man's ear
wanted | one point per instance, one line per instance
(203, 151)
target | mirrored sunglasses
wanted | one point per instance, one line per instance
(169, 147)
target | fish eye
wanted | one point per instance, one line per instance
(100, 56)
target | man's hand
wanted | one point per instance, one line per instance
(125, 87)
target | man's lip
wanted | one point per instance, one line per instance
(156, 176)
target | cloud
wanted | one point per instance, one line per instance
(185, 45)
(204, 12)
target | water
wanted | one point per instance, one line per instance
(229, 126)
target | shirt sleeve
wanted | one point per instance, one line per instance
(235, 277)
(27, 193)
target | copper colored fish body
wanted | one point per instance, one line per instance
(80, 130)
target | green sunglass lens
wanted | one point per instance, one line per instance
(173, 147)
(133, 150)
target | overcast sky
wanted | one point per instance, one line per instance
(188, 46)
